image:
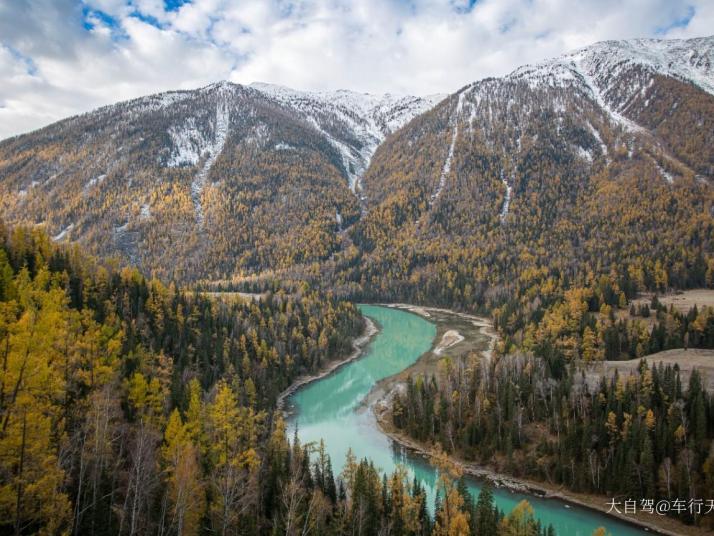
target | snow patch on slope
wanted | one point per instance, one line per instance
(567, 72)
(596, 135)
(355, 124)
(690, 60)
(507, 198)
(597, 96)
(162, 100)
(554, 73)
(63, 233)
(188, 143)
(94, 182)
(450, 155)
(666, 174)
(214, 150)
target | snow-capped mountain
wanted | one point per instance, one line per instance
(689, 60)
(498, 141)
(369, 118)
(232, 179)
(616, 72)
(620, 84)
(185, 167)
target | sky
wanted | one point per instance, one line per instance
(63, 57)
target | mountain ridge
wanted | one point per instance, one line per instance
(177, 167)
(545, 173)
(242, 175)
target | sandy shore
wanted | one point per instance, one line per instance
(484, 323)
(358, 344)
(449, 339)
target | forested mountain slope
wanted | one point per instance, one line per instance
(515, 190)
(203, 183)
(503, 196)
(119, 395)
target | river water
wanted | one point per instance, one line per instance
(330, 409)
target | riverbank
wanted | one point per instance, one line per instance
(484, 325)
(457, 335)
(379, 400)
(370, 330)
(665, 526)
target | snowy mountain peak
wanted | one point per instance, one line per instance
(690, 60)
(399, 108)
(354, 123)
(222, 84)
(614, 73)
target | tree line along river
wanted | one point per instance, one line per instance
(330, 409)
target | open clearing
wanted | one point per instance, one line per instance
(682, 301)
(703, 360)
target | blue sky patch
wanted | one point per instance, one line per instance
(90, 16)
(174, 5)
(464, 6)
(148, 19)
(681, 22)
(27, 60)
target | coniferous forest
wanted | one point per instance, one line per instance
(637, 436)
(131, 407)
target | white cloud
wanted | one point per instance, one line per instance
(52, 66)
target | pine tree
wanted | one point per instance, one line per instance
(185, 486)
(486, 522)
(520, 521)
(234, 460)
(450, 518)
(647, 468)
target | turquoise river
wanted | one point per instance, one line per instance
(330, 409)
